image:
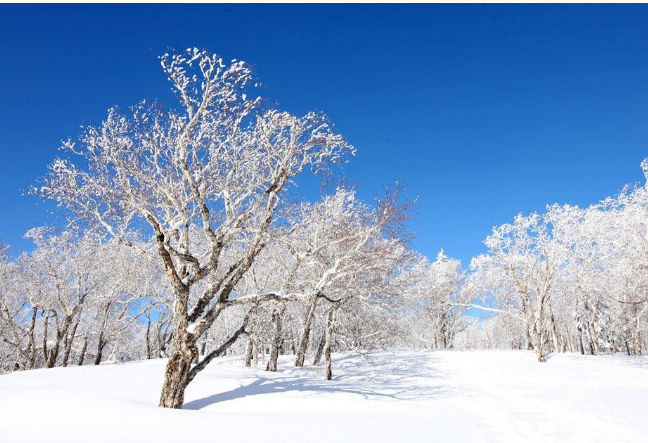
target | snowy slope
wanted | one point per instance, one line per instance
(396, 396)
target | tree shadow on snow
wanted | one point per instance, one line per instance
(395, 376)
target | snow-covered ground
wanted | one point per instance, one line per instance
(392, 396)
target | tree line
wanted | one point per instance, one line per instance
(569, 279)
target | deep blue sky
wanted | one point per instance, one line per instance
(483, 111)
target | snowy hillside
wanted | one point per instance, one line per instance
(399, 396)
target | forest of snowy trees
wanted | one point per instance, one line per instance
(185, 240)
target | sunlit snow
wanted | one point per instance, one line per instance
(389, 396)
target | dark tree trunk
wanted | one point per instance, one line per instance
(54, 351)
(627, 346)
(83, 351)
(183, 350)
(100, 347)
(45, 333)
(581, 341)
(69, 342)
(148, 338)
(176, 375)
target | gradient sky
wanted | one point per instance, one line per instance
(483, 111)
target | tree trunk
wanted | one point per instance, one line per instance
(593, 338)
(183, 350)
(327, 345)
(31, 349)
(45, 333)
(540, 351)
(70, 341)
(636, 337)
(100, 347)
(255, 355)
(278, 339)
(176, 377)
(538, 338)
(320, 350)
(308, 325)
(83, 351)
(54, 351)
(541, 345)
(176, 374)
(581, 340)
(529, 341)
(249, 351)
(148, 337)
(554, 333)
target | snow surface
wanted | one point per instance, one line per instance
(390, 396)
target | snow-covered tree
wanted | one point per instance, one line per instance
(436, 299)
(219, 162)
(519, 271)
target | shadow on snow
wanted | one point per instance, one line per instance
(396, 375)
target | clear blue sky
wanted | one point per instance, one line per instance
(483, 111)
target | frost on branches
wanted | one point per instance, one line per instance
(570, 279)
(208, 180)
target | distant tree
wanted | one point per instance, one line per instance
(520, 270)
(434, 296)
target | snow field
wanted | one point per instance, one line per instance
(388, 396)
